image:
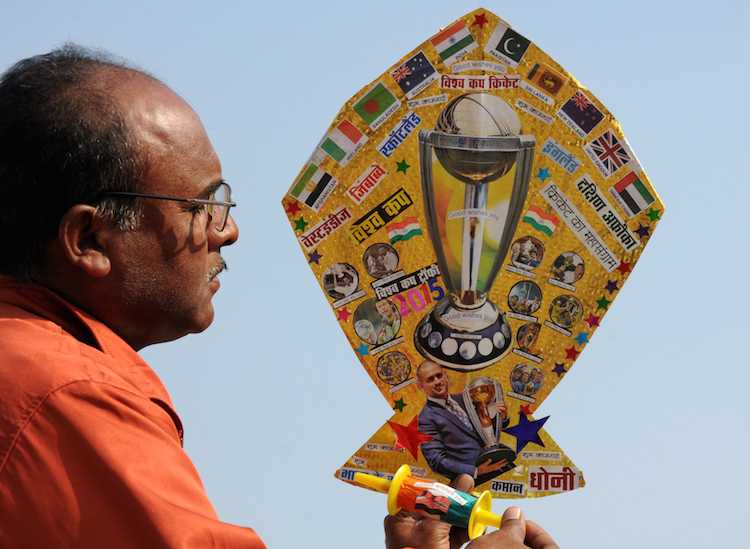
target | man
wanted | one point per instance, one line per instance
(113, 214)
(455, 444)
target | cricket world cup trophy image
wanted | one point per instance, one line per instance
(475, 169)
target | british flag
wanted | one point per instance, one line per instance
(607, 153)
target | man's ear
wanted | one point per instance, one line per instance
(82, 236)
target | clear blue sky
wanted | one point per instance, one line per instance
(273, 398)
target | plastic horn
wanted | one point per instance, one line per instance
(434, 499)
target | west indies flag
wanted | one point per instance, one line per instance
(376, 105)
(414, 75)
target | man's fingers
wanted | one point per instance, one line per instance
(538, 538)
(514, 525)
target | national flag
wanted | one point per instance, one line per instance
(507, 45)
(541, 220)
(313, 186)
(342, 142)
(582, 112)
(632, 194)
(453, 42)
(403, 230)
(414, 75)
(375, 105)
(546, 78)
(609, 152)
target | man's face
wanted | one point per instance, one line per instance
(167, 268)
(433, 381)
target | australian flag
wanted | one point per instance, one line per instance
(414, 75)
(582, 112)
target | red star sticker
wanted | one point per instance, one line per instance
(292, 208)
(571, 353)
(408, 437)
(480, 19)
(526, 409)
(624, 268)
(593, 320)
(343, 314)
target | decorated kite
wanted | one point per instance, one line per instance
(471, 215)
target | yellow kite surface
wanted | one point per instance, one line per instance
(471, 215)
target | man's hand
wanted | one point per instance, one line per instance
(516, 533)
(489, 467)
(408, 531)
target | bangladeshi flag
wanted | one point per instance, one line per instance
(374, 103)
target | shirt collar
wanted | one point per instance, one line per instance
(43, 302)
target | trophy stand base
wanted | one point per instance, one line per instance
(466, 348)
(495, 454)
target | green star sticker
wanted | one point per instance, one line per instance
(603, 303)
(653, 214)
(399, 405)
(300, 224)
(402, 166)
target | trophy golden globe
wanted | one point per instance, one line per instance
(483, 399)
(475, 168)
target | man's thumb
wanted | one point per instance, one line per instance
(514, 525)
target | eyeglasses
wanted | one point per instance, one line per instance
(218, 202)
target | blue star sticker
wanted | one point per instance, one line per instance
(314, 257)
(559, 369)
(611, 286)
(582, 337)
(527, 431)
(363, 350)
(543, 174)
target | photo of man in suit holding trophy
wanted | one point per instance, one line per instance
(465, 428)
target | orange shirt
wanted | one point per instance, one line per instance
(90, 445)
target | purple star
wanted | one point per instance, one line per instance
(642, 231)
(559, 369)
(314, 257)
(611, 286)
(526, 431)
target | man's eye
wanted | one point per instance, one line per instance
(196, 209)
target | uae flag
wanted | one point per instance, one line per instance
(404, 230)
(342, 142)
(541, 220)
(632, 194)
(376, 105)
(313, 186)
(452, 43)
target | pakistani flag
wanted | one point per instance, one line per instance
(342, 142)
(313, 186)
(376, 105)
(632, 194)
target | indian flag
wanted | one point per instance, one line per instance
(313, 186)
(541, 220)
(342, 142)
(632, 194)
(404, 230)
(451, 43)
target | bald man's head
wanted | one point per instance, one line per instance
(64, 140)
(432, 379)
